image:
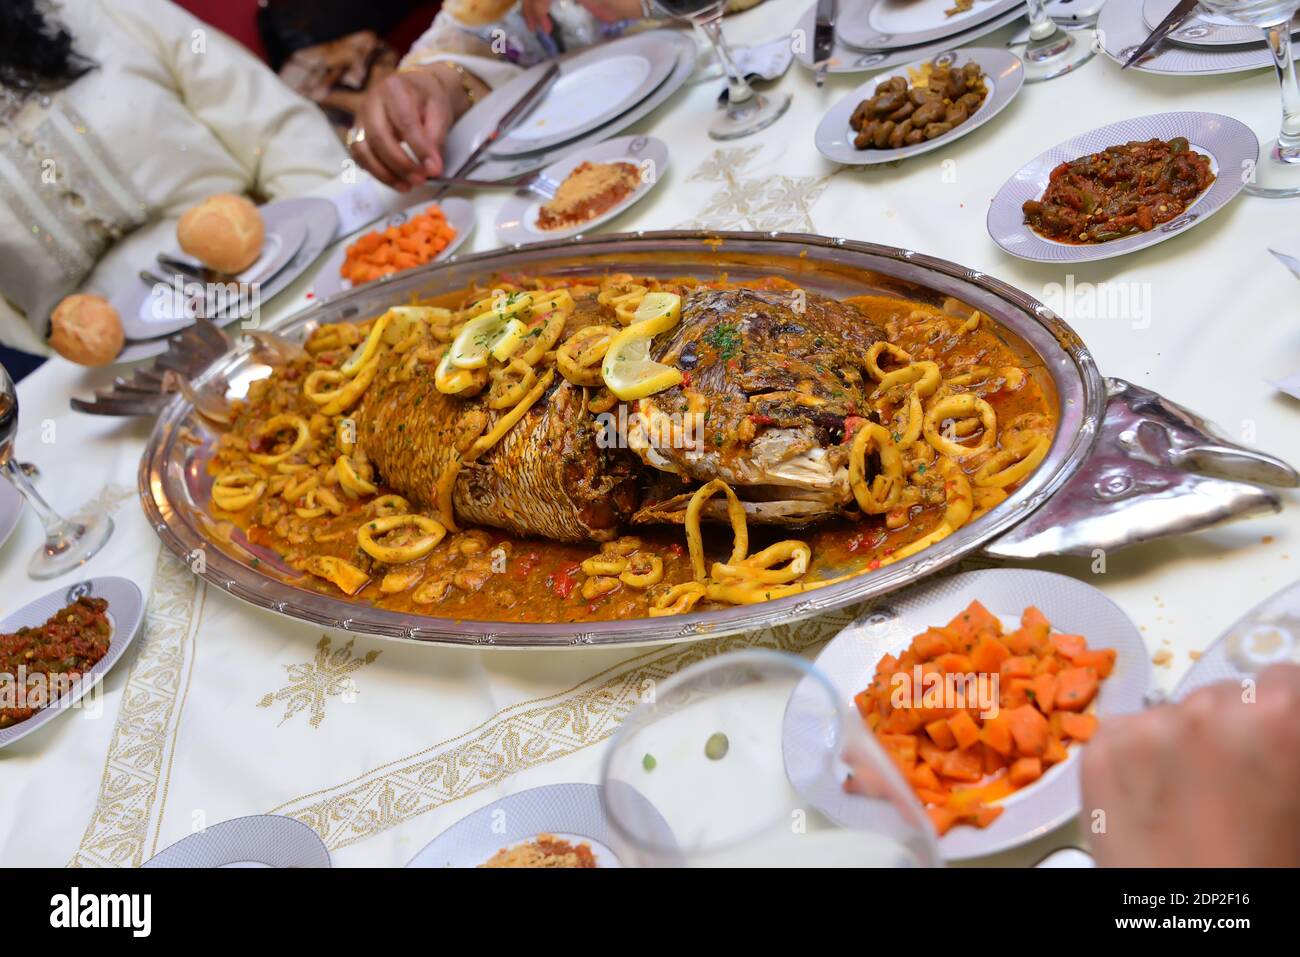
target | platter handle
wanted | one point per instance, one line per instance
(1156, 469)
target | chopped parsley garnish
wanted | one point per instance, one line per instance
(725, 339)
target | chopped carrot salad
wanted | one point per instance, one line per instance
(415, 242)
(971, 713)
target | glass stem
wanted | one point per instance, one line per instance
(56, 528)
(1278, 37)
(1046, 39)
(738, 89)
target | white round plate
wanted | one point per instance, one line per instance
(262, 840)
(1004, 74)
(1268, 634)
(1203, 29)
(320, 220)
(1229, 143)
(594, 86)
(125, 609)
(479, 121)
(849, 661)
(11, 509)
(158, 315)
(460, 216)
(845, 59)
(1121, 28)
(572, 812)
(892, 24)
(517, 218)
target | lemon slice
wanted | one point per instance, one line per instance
(511, 339)
(627, 369)
(489, 334)
(450, 380)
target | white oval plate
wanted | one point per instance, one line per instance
(892, 24)
(261, 840)
(845, 59)
(1121, 28)
(11, 509)
(1004, 75)
(319, 218)
(594, 86)
(572, 812)
(849, 661)
(1229, 143)
(460, 216)
(517, 218)
(479, 121)
(125, 609)
(1268, 634)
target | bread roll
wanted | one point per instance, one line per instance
(86, 329)
(224, 232)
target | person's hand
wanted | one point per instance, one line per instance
(538, 16)
(1213, 781)
(414, 106)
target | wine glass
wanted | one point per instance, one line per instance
(1277, 175)
(747, 110)
(1050, 50)
(67, 543)
(741, 761)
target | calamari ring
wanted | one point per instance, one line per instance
(925, 374)
(882, 492)
(652, 573)
(959, 504)
(348, 578)
(963, 405)
(547, 337)
(333, 336)
(278, 423)
(235, 491)
(330, 501)
(915, 417)
(349, 395)
(443, 490)
(295, 490)
(351, 479)
(399, 554)
(677, 600)
(579, 358)
(1009, 465)
(388, 505)
(309, 508)
(694, 538)
(511, 418)
(624, 299)
(312, 386)
(604, 565)
(760, 568)
(602, 400)
(873, 357)
(598, 586)
(510, 383)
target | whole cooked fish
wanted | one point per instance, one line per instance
(771, 378)
(551, 475)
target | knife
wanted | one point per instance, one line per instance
(823, 38)
(1177, 17)
(508, 121)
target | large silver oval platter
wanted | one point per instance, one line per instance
(174, 480)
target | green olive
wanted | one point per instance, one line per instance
(649, 762)
(715, 749)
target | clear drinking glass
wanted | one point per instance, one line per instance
(748, 111)
(67, 543)
(1052, 51)
(742, 760)
(1277, 175)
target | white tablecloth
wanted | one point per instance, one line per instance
(224, 710)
